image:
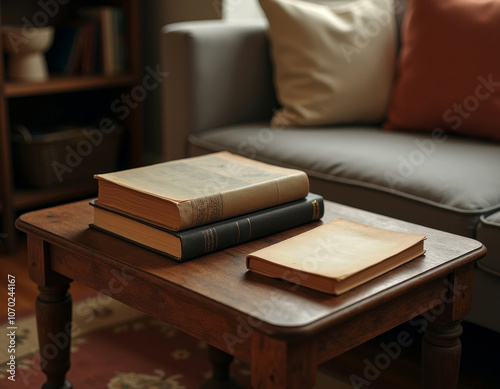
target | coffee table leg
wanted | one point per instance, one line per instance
(53, 315)
(221, 363)
(278, 364)
(441, 350)
(441, 347)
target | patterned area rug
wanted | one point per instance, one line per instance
(117, 347)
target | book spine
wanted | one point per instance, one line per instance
(204, 240)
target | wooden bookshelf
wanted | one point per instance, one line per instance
(25, 199)
(61, 84)
(59, 98)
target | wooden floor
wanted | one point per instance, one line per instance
(480, 357)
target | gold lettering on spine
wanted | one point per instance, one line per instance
(210, 240)
(315, 205)
(249, 228)
(207, 209)
(238, 228)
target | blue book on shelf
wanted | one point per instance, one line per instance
(60, 54)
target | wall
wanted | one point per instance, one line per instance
(154, 15)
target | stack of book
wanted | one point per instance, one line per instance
(95, 43)
(194, 206)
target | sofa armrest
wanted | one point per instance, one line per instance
(219, 73)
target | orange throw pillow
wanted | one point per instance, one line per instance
(449, 69)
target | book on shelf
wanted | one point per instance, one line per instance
(336, 256)
(82, 50)
(198, 241)
(195, 191)
(61, 54)
(93, 43)
(109, 47)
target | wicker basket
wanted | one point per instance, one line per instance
(64, 154)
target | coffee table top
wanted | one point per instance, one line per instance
(220, 281)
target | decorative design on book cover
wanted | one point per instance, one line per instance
(210, 239)
(207, 209)
(316, 209)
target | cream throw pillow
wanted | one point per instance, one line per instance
(333, 63)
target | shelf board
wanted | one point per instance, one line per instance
(33, 198)
(59, 84)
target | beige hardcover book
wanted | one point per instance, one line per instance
(337, 256)
(195, 191)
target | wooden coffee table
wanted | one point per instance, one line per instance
(284, 331)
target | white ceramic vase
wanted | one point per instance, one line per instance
(26, 50)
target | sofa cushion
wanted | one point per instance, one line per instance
(333, 63)
(485, 301)
(488, 233)
(430, 179)
(448, 72)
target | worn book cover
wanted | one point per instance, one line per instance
(198, 241)
(195, 191)
(337, 256)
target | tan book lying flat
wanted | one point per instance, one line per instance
(337, 256)
(191, 192)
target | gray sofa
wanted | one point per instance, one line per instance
(219, 96)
